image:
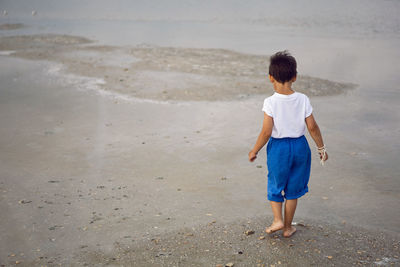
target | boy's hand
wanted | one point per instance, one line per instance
(326, 156)
(252, 156)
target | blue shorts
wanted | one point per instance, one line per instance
(289, 164)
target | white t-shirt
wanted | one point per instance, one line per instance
(289, 113)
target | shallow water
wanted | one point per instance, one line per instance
(339, 17)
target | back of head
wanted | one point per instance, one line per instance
(283, 66)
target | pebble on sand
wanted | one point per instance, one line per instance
(249, 232)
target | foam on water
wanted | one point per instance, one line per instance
(96, 85)
(6, 53)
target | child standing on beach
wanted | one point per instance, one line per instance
(286, 115)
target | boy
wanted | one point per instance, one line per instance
(286, 115)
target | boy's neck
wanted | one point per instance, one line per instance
(283, 88)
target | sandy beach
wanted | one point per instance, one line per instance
(136, 155)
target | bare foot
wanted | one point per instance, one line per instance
(289, 232)
(275, 226)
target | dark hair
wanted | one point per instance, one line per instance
(282, 66)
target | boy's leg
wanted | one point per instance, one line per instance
(290, 209)
(277, 224)
(278, 161)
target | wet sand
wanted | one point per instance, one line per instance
(11, 26)
(96, 178)
(163, 73)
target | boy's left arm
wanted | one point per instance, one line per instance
(263, 137)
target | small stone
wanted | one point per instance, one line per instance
(329, 257)
(249, 232)
(229, 264)
(240, 252)
(259, 166)
(223, 178)
(325, 198)
(24, 201)
(261, 237)
(219, 265)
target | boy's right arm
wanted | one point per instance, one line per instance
(315, 133)
(263, 137)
